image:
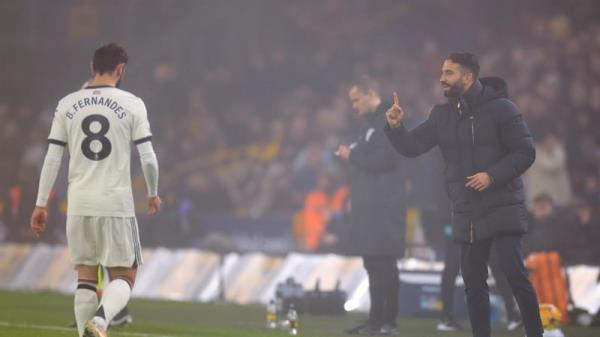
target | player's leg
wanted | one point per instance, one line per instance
(123, 317)
(116, 294)
(120, 251)
(115, 297)
(81, 240)
(86, 299)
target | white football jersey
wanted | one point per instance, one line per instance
(99, 126)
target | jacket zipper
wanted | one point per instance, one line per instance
(472, 232)
(472, 118)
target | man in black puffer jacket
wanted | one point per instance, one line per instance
(486, 146)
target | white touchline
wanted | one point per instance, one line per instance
(60, 328)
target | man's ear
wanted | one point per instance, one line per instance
(375, 96)
(120, 69)
(92, 68)
(469, 77)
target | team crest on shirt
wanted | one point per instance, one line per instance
(369, 134)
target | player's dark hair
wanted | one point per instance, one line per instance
(466, 60)
(107, 57)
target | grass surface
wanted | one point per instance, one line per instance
(48, 314)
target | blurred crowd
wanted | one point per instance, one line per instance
(248, 100)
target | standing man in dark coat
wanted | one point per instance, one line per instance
(377, 216)
(486, 146)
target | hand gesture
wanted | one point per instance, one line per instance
(343, 152)
(395, 114)
(154, 205)
(39, 218)
(479, 181)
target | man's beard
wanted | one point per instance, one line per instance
(454, 90)
(118, 84)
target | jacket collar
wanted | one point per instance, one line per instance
(473, 93)
(378, 111)
(465, 103)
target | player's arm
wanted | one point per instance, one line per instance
(52, 161)
(50, 169)
(150, 169)
(142, 138)
(56, 147)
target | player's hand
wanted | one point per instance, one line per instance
(154, 205)
(39, 218)
(395, 114)
(343, 152)
(479, 181)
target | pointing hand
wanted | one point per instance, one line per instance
(395, 114)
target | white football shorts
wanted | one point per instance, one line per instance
(106, 241)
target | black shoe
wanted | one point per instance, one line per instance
(122, 320)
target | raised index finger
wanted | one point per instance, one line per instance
(396, 101)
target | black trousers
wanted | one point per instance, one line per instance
(450, 272)
(384, 285)
(474, 262)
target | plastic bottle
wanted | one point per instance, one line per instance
(271, 315)
(292, 318)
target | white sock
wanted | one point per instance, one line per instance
(114, 298)
(86, 303)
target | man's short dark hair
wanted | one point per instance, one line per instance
(466, 60)
(543, 198)
(579, 203)
(366, 83)
(107, 57)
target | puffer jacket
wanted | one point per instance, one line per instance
(481, 131)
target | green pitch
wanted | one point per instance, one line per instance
(49, 314)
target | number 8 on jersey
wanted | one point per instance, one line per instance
(86, 145)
